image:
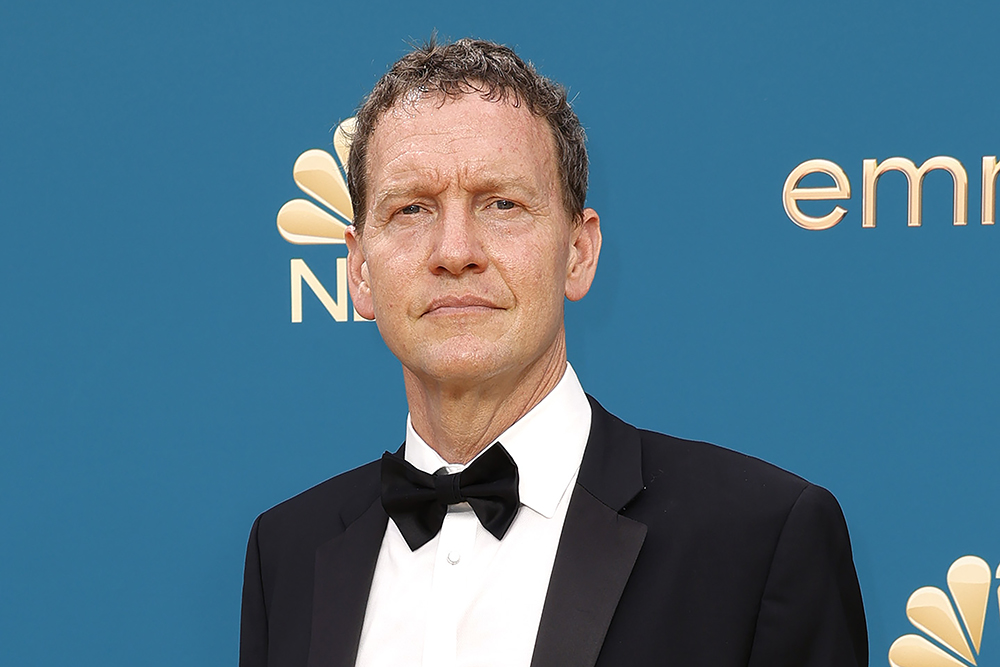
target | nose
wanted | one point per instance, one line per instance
(456, 243)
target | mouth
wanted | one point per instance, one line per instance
(468, 304)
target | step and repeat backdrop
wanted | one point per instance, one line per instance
(800, 262)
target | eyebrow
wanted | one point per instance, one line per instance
(516, 185)
(404, 192)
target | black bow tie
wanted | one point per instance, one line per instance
(418, 501)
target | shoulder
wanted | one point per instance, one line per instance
(717, 496)
(723, 525)
(321, 512)
(704, 469)
(703, 503)
(709, 487)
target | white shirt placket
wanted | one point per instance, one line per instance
(449, 586)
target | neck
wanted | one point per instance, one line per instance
(459, 420)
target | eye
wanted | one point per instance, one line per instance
(410, 210)
(504, 204)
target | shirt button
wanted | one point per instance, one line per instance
(454, 557)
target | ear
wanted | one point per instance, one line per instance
(585, 248)
(358, 278)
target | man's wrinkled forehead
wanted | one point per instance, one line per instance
(427, 125)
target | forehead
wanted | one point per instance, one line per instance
(460, 136)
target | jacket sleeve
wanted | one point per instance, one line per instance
(253, 618)
(811, 613)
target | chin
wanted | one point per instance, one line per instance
(458, 360)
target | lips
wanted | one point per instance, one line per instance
(463, 303)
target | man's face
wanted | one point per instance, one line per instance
(467, 251)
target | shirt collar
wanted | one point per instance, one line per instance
(546, 444)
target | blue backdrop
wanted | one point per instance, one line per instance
(156, 395)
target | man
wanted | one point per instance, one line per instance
(528, 525)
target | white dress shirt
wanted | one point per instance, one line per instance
(466, 599)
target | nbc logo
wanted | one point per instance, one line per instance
(931, 611)
(302, 222)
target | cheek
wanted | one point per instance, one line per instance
(537, 276)
(390, 270)
(384, 293)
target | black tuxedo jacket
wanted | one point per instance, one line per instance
(673, 553)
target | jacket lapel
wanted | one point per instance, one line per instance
(344, 569)
(597, 549)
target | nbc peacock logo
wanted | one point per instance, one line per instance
(956, 643)
(302, 222)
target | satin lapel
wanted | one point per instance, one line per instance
(344, 569)
(597, 549)
(596, 553)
